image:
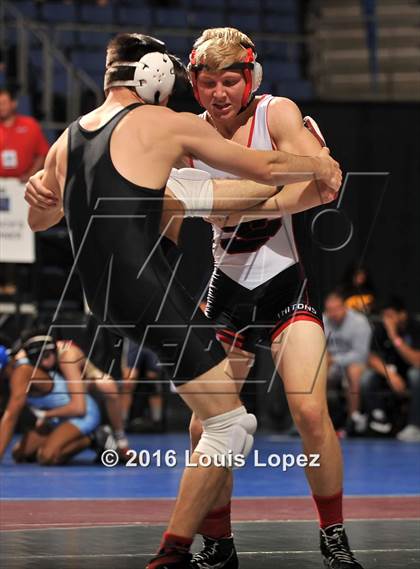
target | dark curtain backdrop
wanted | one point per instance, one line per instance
(384, 210)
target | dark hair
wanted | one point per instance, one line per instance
(9, 91)
(335, 292)
(182, 86)
(128, 47)
(394, 302)
(350, 274)
(32, 332)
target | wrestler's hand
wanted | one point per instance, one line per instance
(326, 193)
(38, 196)
(40, 415)
(329, 170)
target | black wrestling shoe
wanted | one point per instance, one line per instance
(216, 554)
(335, 549)
(170, 559)
(103, 439)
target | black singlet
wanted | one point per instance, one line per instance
(129, 285)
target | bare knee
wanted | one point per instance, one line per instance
(312, 420)
(354, 373)
(48, 456)
(108, 387)
(18, 453)
(196, 430)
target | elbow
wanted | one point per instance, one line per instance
(274, 168)
(268, 175)
(35, 224)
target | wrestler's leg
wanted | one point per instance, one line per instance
(65, 441)
(25, 450)
(212, 394)
(240, 362)
(299, 355)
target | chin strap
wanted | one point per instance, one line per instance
(242, 109)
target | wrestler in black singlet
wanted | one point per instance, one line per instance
(114, 230)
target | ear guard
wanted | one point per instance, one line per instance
(37, 346)
(154, 73)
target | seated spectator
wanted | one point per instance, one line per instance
(394, 372)
(358, 290)
(66, 415)
(348, 338)
(143, 366)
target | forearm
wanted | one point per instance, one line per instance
(376, 363)
(293, 198)
(41, 220)
(69, 410)
(38, 164)
(288, 168)
(237, 195)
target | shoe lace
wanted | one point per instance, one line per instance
(339, 547)
(208, 551)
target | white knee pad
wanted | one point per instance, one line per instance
(228, 435)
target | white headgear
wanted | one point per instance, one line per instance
(154, 74)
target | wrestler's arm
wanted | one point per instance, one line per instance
(289, 133)
(287, 129)
(237, 195)
(45, 201)
(293, 198)
(196, 137)
(71, 369)
(19, 382)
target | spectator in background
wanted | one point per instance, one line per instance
(142, 365)
(358, 290)
(394, 372)
(348, 339)
(23, 147)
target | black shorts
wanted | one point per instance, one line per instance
(153, 309)
(249, 317)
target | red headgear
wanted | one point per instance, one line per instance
(251, 68)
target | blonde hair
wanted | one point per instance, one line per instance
(219, 48)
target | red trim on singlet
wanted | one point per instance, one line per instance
(234, 334)
(251, 131)
(273, 144)
(299, 259)
(230, 338)
(314, 133)
(293, 319)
